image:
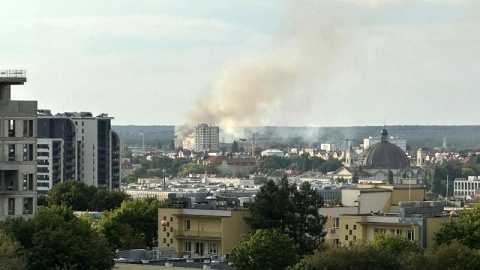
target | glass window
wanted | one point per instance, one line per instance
(187, 225)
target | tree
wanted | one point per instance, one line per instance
(265, 249)
(307, 226)
(293, 212)
(332, 164)
(56, 239)
(390, 177)
(137, 219)
(235, 147)
(11, 254)
(355, 177)
(81, 197)
(463, 230)
(72, 193)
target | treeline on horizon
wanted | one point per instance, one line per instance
(458, 137)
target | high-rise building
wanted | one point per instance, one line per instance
(207, 137)
(91, 149)
(18, 195)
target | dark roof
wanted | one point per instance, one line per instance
(385, 155)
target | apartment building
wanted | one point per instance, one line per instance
(18, 145)
(201, 232)
(89, 149)
(207, 137)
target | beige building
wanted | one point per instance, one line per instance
(200, 232)
(418, 224)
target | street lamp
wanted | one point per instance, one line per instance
(163, 170)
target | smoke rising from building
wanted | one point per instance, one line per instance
(259, 90)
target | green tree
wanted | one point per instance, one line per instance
(56, 239)
(355, 177)
(136, 219)
(294, 212)
(307, 226)
(453, 256)
(332, 164)
(390, 177)
(81, 197)
(11, 253)
(72, 193)
(464, 229)
(265, 249)
(235, 147)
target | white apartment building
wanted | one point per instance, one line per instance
(207, 137)
(272, 152)
(466, 187)
(18, 195)
(329, 147)
(49, 163)
(402, 143)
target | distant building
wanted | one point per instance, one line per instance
(84, 148)
(466, 187)
(402, 143)
(18, 187)
(272, 152)
(329, 147)
(234, 165)
(207, 137)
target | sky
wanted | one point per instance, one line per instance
(290, 63)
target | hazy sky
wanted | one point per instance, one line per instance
(326, 63)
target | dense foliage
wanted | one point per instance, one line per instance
(81, 197)
(133, 225)
(464, 230)
(265, 249)
(388, 251)
(56, 239)
(11, 254)
(291, 210)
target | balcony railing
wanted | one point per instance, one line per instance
(188, 233)
(13, 73)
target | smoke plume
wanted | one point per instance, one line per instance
(267, 90)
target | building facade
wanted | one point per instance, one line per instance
(402, 143)
(201, 232)
(207, 137)
(463, 187)
(18, 194)
(90, 149)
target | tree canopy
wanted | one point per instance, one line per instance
(11, 253)
(464, 229)
(265, 249)
(81, 197)
(290, 210)
(56, 239)
(133, 225)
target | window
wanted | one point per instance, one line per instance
(398, 232)
(199, 248)
(410, 235)
(164, 240)
(11, 206)
(346, 237)
(171, 219)
(171, 229)
(213, 248)
(350, 232)
(27, 206)
(336, 242)
(187, 246)
(336, 222)
(355, 227)
(164, 229)
(171, 241)
(346, 226)
(376, 230)
(187, 225)
(168, 234)
(354, 238)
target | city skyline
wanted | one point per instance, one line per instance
(334, 63)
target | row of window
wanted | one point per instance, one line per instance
(199, 248)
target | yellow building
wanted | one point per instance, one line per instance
(201, 232)
(417, 221)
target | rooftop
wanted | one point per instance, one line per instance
(13, 76)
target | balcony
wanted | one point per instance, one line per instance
(205, 235)
(13, 76)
